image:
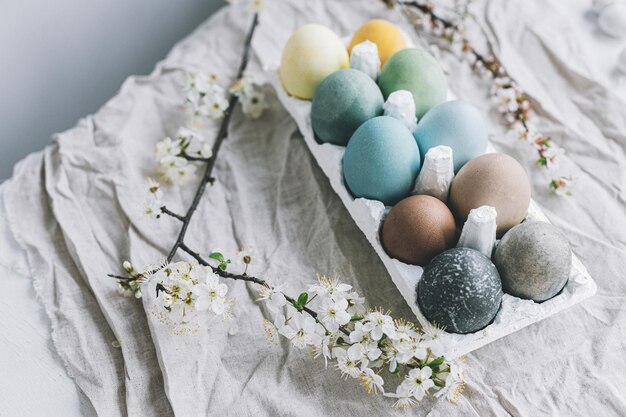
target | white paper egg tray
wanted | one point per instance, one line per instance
(514, 313)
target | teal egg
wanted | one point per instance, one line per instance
(419, 72)
(342, 102)
(381, 161)
(456, 124)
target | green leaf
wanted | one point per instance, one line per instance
(439, 383)
(303, 298)
(435, 363)
(217, 256)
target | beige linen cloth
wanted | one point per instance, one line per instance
(75, 210)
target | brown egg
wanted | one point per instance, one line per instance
(496, 180)
(417, 229)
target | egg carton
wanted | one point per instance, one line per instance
(514, 313)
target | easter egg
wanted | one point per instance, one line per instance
(456, 124)
(381, 161)
(418, 72)
(460, 291)
(418, 228)
(311, 54)
(534, 261)
(495, 180)
(342, 102)
(387, 37)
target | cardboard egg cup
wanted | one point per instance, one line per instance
(514, 313)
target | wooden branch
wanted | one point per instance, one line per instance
(221, 136)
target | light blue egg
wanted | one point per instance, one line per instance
(381, 161)
(456, 124)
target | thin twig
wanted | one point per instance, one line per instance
(194, 158)
(247, 278)
(170, 213)
(207, 178)
(221, 136)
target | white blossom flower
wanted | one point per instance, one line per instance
(152, 208)
(186, 288)
(330, 287)
(253, 105)
(128, 267)
(409, 349)
(355, 303)
(403, 396)
(432, 332)
(562, 186)
(418, 382)
(176, 170)
(551, 154)
(167, 148)
(273, 297)
(371, 381)
(378, 324)
(299, 328)
(404, 331)
(322, 348)
(124, 291)
(251, 96)
(247, 260)
(507, 98)
(348, 361)
(206, 151)
(154, 188)
(213, 105)
(333, 313)
(187, 135)
(199, 85)
(391, 357)
(453, 382)
(211, 294)
(360, 335)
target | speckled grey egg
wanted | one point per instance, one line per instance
(534, 261)
(460, 291)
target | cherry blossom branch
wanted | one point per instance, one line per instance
(170, 213)
(208, 179)
(515, 105)
(195, 158)
(221, 136)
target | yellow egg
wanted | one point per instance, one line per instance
(384, 34)
(311, 54)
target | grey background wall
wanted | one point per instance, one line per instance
(62, 59)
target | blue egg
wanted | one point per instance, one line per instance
(456, 124)
(342, 102)
(381, 161)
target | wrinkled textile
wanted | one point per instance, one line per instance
(75, 210)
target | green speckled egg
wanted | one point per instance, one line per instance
(419, 72)
(460, 291)
(342, 102)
